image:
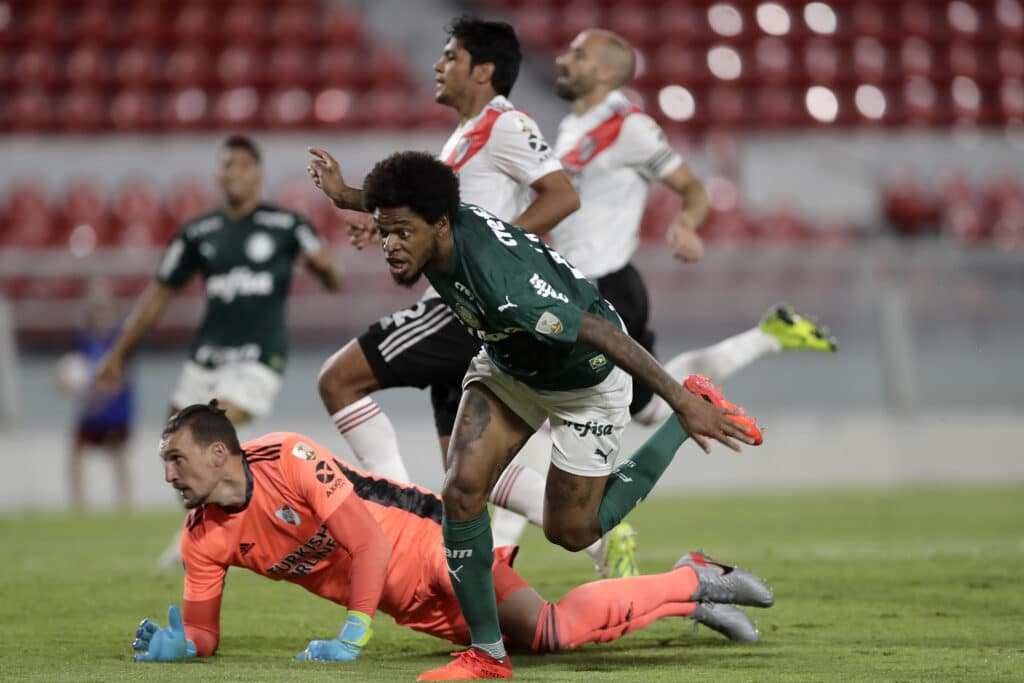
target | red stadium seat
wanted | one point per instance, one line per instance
(189, 66)
(916, 58)
(963, 18)
(138, 218)
(822, 61)
(384, 109)
(726, 106)
(577, 16)
(333, 107)
(907, 205)
(187, 200)
(1011, 99)
(187, 109)
(288, 108)
(148, 25)
(385, 68)
(82, 110)
(783, 224)
(137, 66)
(94, 24)
(1009, 20)
(341, 28)
(683, 23)
(195, 24)
(237, 108)
(290, 66)
(31, 110)
(134, 110)
(870, 59)
(918, 19)
(87, 66)
(636, 24)
(773, 60)
(29, 220)
(964, 222)
(1010, 58)
(537, 25)
(36, 67)
(675, 63)
(240, 65)
(338, 67)
(84, 204)
(246, 24)
(776, 106)
(296, 24)
(44, 24)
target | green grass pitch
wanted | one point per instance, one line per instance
(883, 586)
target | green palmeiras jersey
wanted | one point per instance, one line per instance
(523, 301)
(247, 268)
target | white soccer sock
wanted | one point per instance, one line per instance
(717, 361)
(519, 497)
(371, 436)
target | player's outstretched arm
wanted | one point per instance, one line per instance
(326, 175)
(555, 199)
(681, 234)
(148, 309)
(155, 644)
(321, 264)
(701, 420)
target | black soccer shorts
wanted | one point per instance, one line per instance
(422, 346)
(626, 291)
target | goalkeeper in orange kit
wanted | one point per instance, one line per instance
(286, 508)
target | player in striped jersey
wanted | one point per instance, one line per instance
(286, 508)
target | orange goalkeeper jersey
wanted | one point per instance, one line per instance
(296, 484)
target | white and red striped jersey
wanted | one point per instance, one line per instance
(611, 153)
(497, 155)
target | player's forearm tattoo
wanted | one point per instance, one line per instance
(475, 418)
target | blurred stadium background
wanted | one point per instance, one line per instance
(865, 160)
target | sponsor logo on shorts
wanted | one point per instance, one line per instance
(549, 324)
(303, 451)
(465, 290)
(288, 515)
(590, 427)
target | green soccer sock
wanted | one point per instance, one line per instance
(469, 550)
(632, 480)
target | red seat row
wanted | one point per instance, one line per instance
(84, 110)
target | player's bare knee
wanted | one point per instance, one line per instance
(340, 383)
(571, 538)
(463, 501)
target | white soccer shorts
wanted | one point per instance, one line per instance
(250, 385)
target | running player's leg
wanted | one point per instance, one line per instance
(345, 383)
(486, 437)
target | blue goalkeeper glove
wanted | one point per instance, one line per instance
(354, 636)
(169, 644)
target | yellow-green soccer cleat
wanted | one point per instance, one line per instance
(796, 332)
(619, 557)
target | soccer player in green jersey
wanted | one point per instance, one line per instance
(246, 251)
(554, 350)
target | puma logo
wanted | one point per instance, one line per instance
(604, 456)
(455, 572)
(507, 305)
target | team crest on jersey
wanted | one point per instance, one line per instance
(259, 247)
(467, 316)
(461, 149)
(303, 451)
(288, 515)
(549, 324)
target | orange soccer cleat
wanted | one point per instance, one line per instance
(702, 386)
(469, 665)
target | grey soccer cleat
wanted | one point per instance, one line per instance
(729, 620)
(723, 583)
